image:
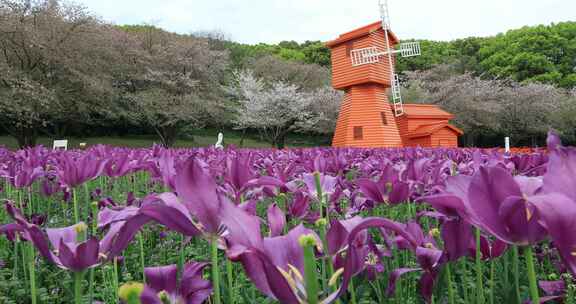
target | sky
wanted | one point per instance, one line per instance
(272, 21)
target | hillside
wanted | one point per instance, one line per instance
(544, 53)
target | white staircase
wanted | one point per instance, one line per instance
(396, 96)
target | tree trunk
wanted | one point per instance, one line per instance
(242, 138)
(168, 135)
(281, 141)
(60, 130)
(26, 138)
(469, 139)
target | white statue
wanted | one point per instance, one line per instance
(219, 144)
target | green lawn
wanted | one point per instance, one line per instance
(201, 138)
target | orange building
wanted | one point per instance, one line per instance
(367, 119)
(427, 125)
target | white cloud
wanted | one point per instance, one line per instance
(254, 21)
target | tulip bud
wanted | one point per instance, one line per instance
(164, 298)
(322, 222)
(81, 229)
(389, 187)
(435, 232)
(130, 292)
(307, 240)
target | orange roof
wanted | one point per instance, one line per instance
(425, 111)
(360, 32)
(427, 130)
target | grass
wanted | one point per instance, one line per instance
(200, 138)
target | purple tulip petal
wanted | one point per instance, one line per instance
(193, 287)
(456, 234)
(243, 228)
(168, 211)
(336, 237)
(559, 215)
(371, 190)
(276, 220)
(198, 191)
(394, 276)
(163, 278)
(488, 189)
(553, 288)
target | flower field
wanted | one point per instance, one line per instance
(320, 225)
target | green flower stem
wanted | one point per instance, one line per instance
(76, 208)
(142, 257)
(230, 277)
(32, 270)
(479, 283)
(94, 206)
(78, 287)
(506, 275)
(215, 272)
(16, 247)
(281, 201)
(570, 290)
(319, 194)
(533, 281)
(451, 297)
(516, 270)
(326, 268)
(352, 291)
(308, 242)
(31, 255)
(492, 284)
(115, 274)
(181, 256)
(464, 279)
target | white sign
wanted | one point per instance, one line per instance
(507, 144)
(60, 144)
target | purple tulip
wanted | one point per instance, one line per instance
(556, 203)
(327, 184)
(276, 265)
(162, 285)
(493, 200)
(76, 171)
(65, 247)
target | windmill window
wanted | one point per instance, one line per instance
(383, 116)
(358, 133)
(349, 48)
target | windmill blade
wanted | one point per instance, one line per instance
(365, 56)
(385, 14)
(410, 49)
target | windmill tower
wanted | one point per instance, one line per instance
(363, 67)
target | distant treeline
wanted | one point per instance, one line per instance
(543, 53)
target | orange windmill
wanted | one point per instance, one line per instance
(363, 67)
